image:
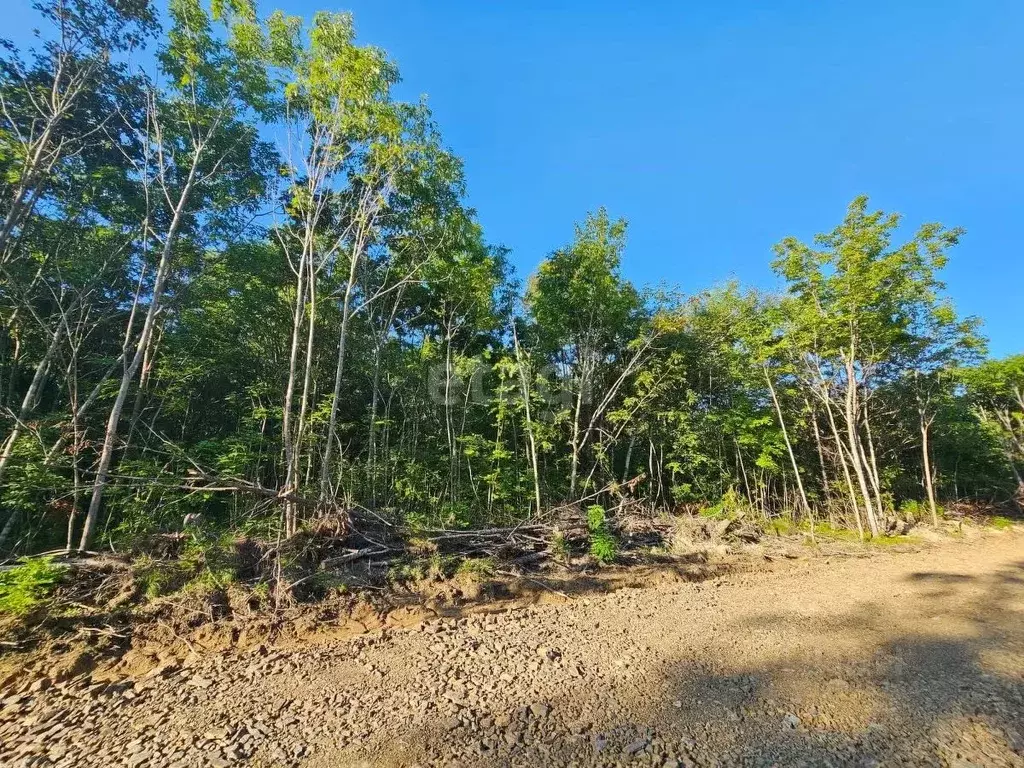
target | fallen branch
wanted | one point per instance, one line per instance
(355, 554)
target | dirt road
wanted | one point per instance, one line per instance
(895, 658)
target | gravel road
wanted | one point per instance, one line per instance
(893, 658)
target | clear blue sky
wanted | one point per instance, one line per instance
(718, 127)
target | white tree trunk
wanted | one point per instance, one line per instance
(128, 376)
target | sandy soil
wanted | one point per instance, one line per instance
(878, 659)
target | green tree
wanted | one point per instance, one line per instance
(996, 389)
(203, 158)
(855, 299)
(586, 316)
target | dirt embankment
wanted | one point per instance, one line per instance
(912, 657)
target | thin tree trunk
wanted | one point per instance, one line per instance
(140, 391)
(577, 412)
(110, 436)
(743, 473)
(332, 423)
(629, 458)
(28, 402)
(304, 398)
(854, 446)
(25, 196)
(8, 529)
(846, 469)
(371, 462)
(287, 430)
(871, 463)
(821, 452)
(927, 461)
(789, 445)
(524, 385)
(448, 424)
(81, 410)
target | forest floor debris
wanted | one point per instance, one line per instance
(178, 593)
(909, 654)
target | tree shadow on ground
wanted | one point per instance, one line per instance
(947, 689)
(936, 678)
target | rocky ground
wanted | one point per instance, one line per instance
(882, 659)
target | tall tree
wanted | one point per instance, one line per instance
(856, 297)
(53, 108)
(203, 156)
(996, 387)
(586, 315)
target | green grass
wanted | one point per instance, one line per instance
(1000, 523)
(437, 567)
(785, 526)
(891, 541)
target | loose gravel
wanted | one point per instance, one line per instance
(889, 659)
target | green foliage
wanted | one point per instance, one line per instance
(30, 484)
(212, 559)
(824, 530)
(436, 416)
(29, 584)
(603, 545)
(730, 505)
(407, 570)
(477, 568)
(434, 567)
(995, 390)
(156, 578)
(918, 511)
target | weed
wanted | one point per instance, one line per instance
(825, 531)
(406, 570)
(421, 547)
(603, 546)
(324, 582)
(477, 568)
(732, 504)
(212, 560)
(784, 526)
(436, 568)
(29, 584)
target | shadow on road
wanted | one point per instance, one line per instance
(925, 670)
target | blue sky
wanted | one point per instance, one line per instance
(719, 127)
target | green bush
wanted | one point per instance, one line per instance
(603, 546)
(212, 559)
(478, 568)
(157, 578)
(732, 504)
(29, 584)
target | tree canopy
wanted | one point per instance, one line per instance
(248, 285)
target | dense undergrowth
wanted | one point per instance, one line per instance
(207, 575)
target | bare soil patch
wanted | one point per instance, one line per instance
(895, 656)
